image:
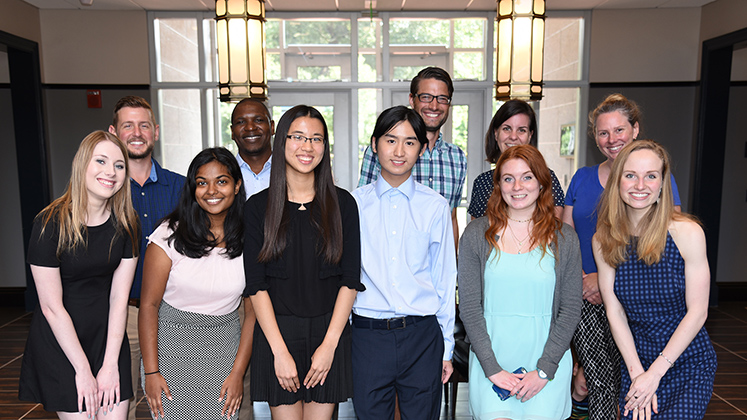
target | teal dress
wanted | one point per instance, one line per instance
(519, 290)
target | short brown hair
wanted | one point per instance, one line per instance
(431, 73)
(132, 102)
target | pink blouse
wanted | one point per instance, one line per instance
(210, 285)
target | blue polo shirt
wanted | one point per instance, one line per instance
(152, 202)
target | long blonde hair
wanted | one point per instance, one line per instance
(69, 210)
(614, 230)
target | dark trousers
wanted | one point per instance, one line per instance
(406, 362)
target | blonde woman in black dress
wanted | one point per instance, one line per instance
(83, 253)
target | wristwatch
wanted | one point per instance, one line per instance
(542, 374)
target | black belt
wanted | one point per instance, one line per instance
(387, 324)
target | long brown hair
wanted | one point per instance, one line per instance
(544, 218)
(69, 210)
(325, 208)
(614, 231)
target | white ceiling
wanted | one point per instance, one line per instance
(360, 5)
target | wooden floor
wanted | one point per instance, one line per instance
(727, 325)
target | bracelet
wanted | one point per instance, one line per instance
(671, 363)
(151, 373)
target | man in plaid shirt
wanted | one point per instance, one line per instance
(443, 166)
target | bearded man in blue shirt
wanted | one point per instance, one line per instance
(155, 192)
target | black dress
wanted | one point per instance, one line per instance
(47, 376)
(303, 290)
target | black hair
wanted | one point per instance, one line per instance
(264, 105)
(391, 117)
(325, 208)
(191, 224)
(431, 73)
(506, 111)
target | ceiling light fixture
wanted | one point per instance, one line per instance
(520, 49)
(241, 49)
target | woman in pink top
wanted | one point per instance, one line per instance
(195, 351)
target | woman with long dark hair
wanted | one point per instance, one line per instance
(654, 278)
(520, 291)
(195, 350)
(302, 263)
(83, 253)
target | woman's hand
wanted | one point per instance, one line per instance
(642, 395)
(506, 380)
(529, 386)
(88, 391)
(321, 362)
(108, 387)
(285, 370)
(645, 413)
(154, 385)
(233, 391)
(591, 289)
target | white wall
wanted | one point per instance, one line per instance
(20, 19)
(95, 47)
(722, 17)
(644, 45)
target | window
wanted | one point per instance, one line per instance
(353, 67)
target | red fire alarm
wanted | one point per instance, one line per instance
(94, 98)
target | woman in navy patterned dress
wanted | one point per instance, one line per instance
(654, 279)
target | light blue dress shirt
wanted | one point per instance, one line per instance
(254, 183)
(408, 260)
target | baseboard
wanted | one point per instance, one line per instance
(732, 291)
(12, 296)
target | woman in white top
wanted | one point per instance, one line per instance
(195, 351)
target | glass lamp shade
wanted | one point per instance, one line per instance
(519, 50)
(241, 49)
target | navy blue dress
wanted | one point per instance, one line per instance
(654, 301)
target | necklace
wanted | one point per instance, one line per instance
(519, 221)
(519, 242)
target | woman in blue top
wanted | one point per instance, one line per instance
(613, 123)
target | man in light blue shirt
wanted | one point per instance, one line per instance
(252, 128)
(403, 323)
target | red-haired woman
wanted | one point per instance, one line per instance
(520, 291)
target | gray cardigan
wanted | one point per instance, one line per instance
(474, 251)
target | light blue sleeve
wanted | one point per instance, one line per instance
(444, 273)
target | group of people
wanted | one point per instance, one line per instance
(334, 295)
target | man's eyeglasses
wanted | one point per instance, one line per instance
(302, 139)
(428, 98)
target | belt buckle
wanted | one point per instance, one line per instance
(404, 323)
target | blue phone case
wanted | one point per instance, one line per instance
(503, 394)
